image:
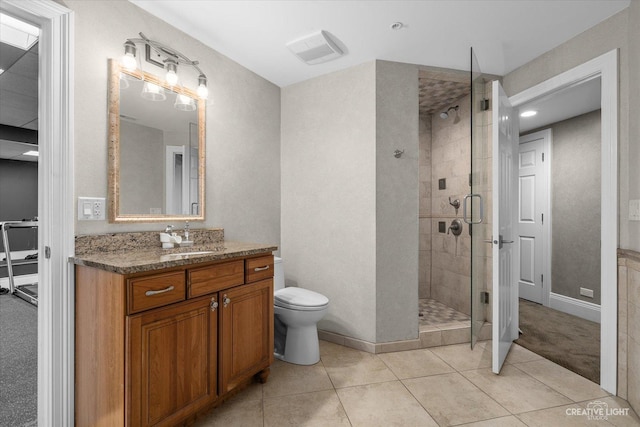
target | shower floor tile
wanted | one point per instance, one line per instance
(435, 314)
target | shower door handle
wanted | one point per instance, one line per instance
(465, 217)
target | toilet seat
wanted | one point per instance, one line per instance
(300, 299)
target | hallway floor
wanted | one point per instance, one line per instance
(440, 386)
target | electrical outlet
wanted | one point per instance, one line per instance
(586, 292)
(91, 208)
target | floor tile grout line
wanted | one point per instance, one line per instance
(543, 383)
(549, 385)
(420, 403)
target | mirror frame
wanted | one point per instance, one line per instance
(115, 69)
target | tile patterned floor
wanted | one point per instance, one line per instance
(441, 386)
(435, 313)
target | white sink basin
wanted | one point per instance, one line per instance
(183, 255)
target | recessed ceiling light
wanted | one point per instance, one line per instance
(397, 25)
(31, 153)
(528, 113)
(17, 33)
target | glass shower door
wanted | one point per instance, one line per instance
(476, 202)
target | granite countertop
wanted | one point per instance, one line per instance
(138, 261)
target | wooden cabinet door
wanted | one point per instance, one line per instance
(172, 360)
(246, 345)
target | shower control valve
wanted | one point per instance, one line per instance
(455, 203)
(455, 227)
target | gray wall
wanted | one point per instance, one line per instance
(575, 206)
(632, 159)
(396, 201)
(349, 207)
(243, 123)
(142, 165)
(18, 201)
(622, 32)
(329, 195)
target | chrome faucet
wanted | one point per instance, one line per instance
(186, 230)
(169, 229)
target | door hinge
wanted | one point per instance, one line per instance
(47, 252)
(484, 297)
(543, 157)
(542, 279)
(543, 218)
(484, 105)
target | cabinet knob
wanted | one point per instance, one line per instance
(214, 304)
(226, 300)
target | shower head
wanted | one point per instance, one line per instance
(445, 114)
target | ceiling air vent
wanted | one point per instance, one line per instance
(315, 48)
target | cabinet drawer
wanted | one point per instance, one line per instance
(212, 278)
(259, 268)
(155, 291)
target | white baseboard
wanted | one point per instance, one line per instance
(25, 279)
(575, 307)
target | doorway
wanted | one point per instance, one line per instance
(18, 220)
(55, 199)
(604, 67)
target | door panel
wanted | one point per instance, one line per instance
(173, 362)
(246, 332)
(505, 206)
(533, 195)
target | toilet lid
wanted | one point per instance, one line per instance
(298, 298)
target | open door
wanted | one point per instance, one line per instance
(505, 135)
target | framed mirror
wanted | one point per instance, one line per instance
(156, 149)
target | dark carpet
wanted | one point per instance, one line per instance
(567, 340)
(18, 362)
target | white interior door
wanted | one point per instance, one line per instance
(504, 165)
(533, 213)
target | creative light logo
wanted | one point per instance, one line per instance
(597, 411)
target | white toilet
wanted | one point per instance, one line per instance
(297, 311)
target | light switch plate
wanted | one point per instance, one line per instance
(91, 208)
(634, 210)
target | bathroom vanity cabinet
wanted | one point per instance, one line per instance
(160, 347)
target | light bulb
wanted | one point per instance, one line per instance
(202, 91)
(171, 77)
(129, 62)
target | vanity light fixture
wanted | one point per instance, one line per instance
(184, 103)
(171, 58)
(172, 67)
(153, 92)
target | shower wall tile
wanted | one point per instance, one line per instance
(450, 256)
(629, 327)
(424, 262)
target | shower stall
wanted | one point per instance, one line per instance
(448, 296)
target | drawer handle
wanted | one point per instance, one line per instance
(161, 291)
(266, 267)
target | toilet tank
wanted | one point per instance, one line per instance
(278, 276)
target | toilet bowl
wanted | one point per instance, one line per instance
(296, 314)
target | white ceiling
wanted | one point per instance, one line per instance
(563, 104)
(505, 34)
